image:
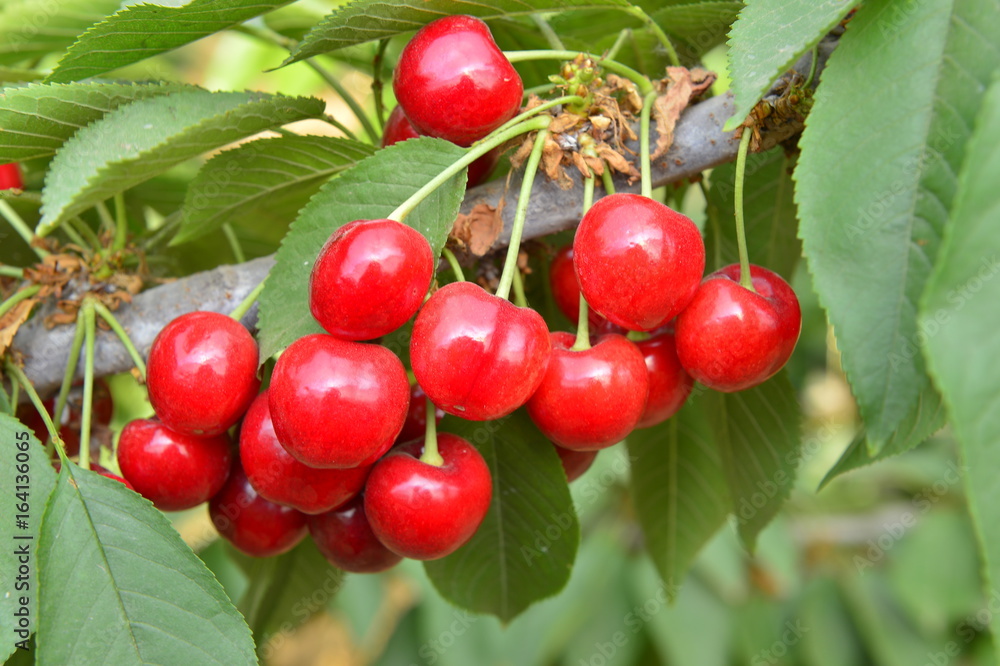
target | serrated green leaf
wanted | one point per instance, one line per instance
(119, 586)
(30, 29)
(768, 210)
(958, 319)
(876, 178)
(524, 550)
(24, 468)
(767, 39)
(369, 191)
(678, 488)
(139, 141)
(758, 435)
(36, 120)
(285, 591)
(366, 20)
(279, 173)
(143, 31)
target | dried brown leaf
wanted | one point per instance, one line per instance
(12, 320)
(478, 229)
(682, 86)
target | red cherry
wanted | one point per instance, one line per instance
(173, 470)
(638, 261)
(202, 373)
(590, 399)
(566, 293)
(669, 384)
(282, 479)
(254, 525)
(730, 338)
(416, 417)
(10, 177)
(370, 278)
(345, 538)
(454, 82)
(425, 512)
(477, 356)
(336, 403)
(575, 463)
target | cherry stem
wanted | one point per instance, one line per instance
(82, 228)
(330, 120)
(607, 181)
(21, 227)
(67, 382)
(377, 84)
(25, 293)
(657, 31)
(22, 379)
(121, 223)
(234, 243)
(510, 263)
(812, 66)
(619, 42)
(645, 86)
(471, 155)
(647, 108)
(248, 301)
(90, 330)
(107, 222)
(430, 455)
(73, 235)
(116, 327)
(550, 35)
(348, 98)
(12, 271)
(741, 236)
(452, 260)
(520, 299)
(545, 106)
(582, 341)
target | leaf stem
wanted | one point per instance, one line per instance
(89, 323)
(19, 296)
(647, 108)
(71, 362)
(550, 35)
(21, 227)
(234, 243)
(741, 236)
(22, 379)
(644, 84)
(430, 455)
(582, 341)
(247, 302)
(452, 260)
(11, 271)
(121, 222)
(116, 327)
(74, 236)
(84, 230)
(812, 66)
(657, 31)
(520, 298)
(619, 42)
(352, 103)
(107, 222)
(330, 120)
(471, 155)
(377, 84)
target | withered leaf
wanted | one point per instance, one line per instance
(12, 320)
(479, 229)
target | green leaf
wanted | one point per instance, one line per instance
(285, 591)
(146, 138)
(143, 31)
(279, 174)
(769, 214)
(369, 191)
(758, 435)
(678, 488)
(876, 179)
(24, 468)
(958, 321)
(36, 120)
(767, 39)
(119, 586)
(30, 29)
(366, 20)
(524, 550)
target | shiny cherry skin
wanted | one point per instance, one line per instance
(398, 128)
(575, 463)
(592, 398)
(335, 403)
(476, 355)
(370, 278)
(730, 338)
(171, 469)
(346, 540)
(425, 512)
(251, 523)
(669, 384)
(280, 478)
(10, 177)
(416, 418)
(454, 82)
(566, 293)
(638, 261)
(202, 373)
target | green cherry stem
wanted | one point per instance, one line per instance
(644, 84)
(520, 298)
(248, 301)
(510, 263)
(116, 327)
(377, 85)
(550, 35)
(657, 31)
(12, 271)
(234, 243)
(25, 293)
(647, 109)
(471, 155)
(21, 227)
(582, 341)
(82, 228)
(619, 42)
(430, 455)
(22, 379)
(452, 260)
(121, 222)
(333, 122)
(90, 331)
(545, 106)
(812, 66)
(741, 235)
(107, 221)
(348, 98)
(74, 358)
(607, 181)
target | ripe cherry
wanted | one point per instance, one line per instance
(591, 398)
(282, 479)
(669, 384)
(202, 373)
(173, 470)
(425, 512)
(370, 278)
(477, 356)
(398, 128)
(454, 82)
(638, 262)
(345, 538)
(10, 177)
(416, 417)
(336, 403)
(575, 463)
(254, 525)
(730, 338)
(566, 293)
